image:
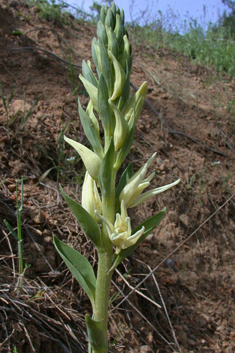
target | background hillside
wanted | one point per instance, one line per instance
(188, 118)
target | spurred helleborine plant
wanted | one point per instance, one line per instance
(103, 214)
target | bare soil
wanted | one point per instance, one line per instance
(191, 251)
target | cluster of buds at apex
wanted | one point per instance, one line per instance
(132, 192)
(112, 54)
(90, 197)
(120, 232)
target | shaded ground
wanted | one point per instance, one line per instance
(197, 281)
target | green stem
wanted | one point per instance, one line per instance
(104, 277)
(102, 295)
(20, 247)
(18, 212)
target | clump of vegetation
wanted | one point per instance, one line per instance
(211, 47)
(52, 11)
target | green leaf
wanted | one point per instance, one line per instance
(79, 266)
(102, 14)
(125, 148)
(101, 33)
(109, 20)
(106, 67)
(10, 229)
(126, 175)
(106, 172)
(90, 131)
(113, 8)
(119, 29)
(94, 56)
(95, 334)
(126, 90)
(112, 42)
(149, 225)
(88, 74)
(105, 112)
(87, 222)
(17, 33)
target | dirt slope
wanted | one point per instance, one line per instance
(193, 134)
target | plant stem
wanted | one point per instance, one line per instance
(102, 294)
(104, 264)
(18, 212)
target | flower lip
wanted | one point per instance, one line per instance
(120, 233)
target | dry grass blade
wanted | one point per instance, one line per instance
(137, 291)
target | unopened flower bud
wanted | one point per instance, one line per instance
(90, 197)
(120, 77)
(90, 159)
(121, 127)
(112, 42)
(92, 116)
(109, 19)
(101, 33)
(91, 90)
(119, 29)
(126, 52)
(133, 108)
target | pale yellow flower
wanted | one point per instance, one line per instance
(134, 107)
(120, 232)
(132, 192)
(120, 77)
(90, 196)
(90, 159)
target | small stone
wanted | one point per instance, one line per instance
(185, 220)
(150, 236)
(159, 161)
(169, 263)
(191, 342)
(168, 244)
(12, 187)
(36, 215)
(136, 319)
(47, 239)
(173, 216)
